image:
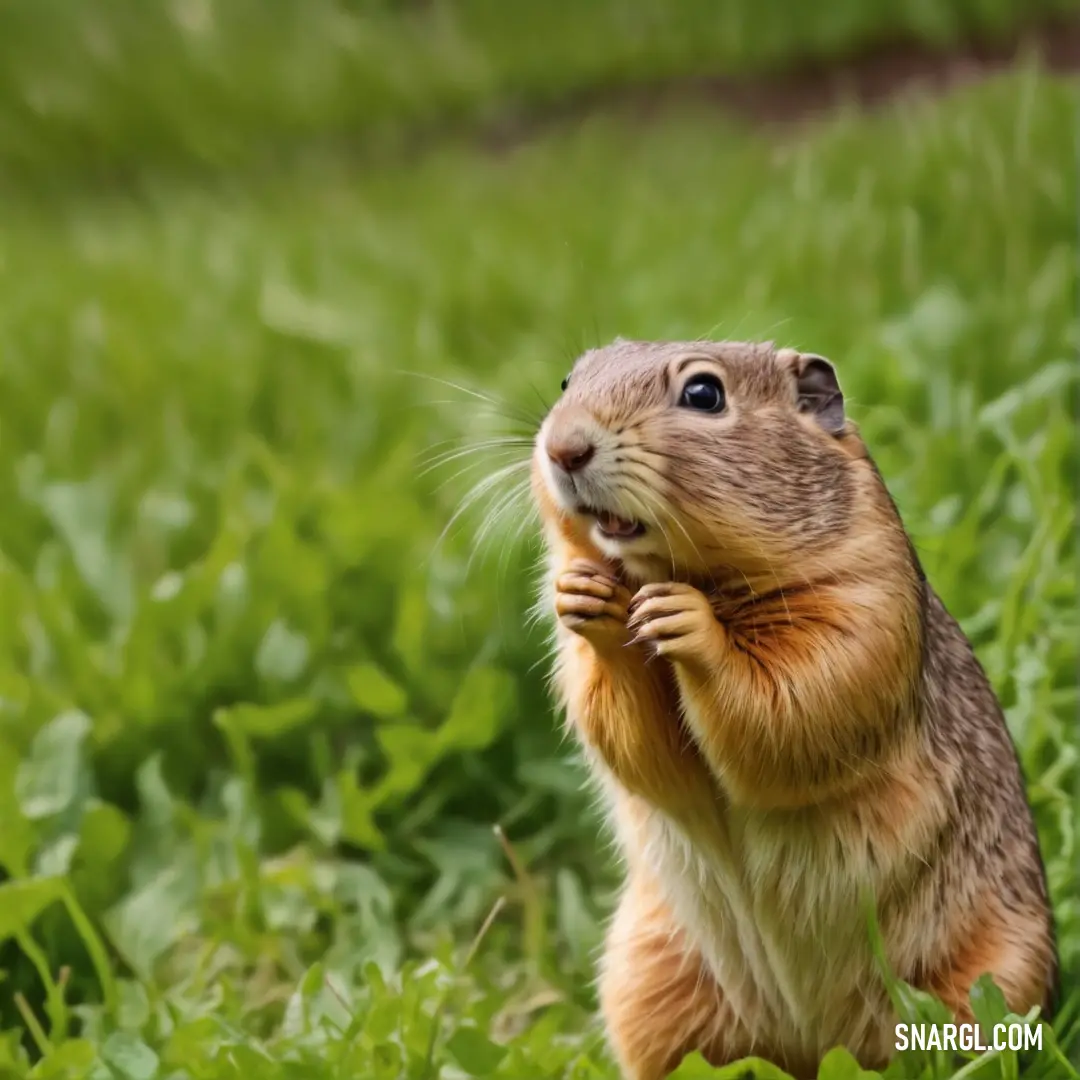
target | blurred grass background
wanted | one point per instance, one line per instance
(198, 84)
(259, 714)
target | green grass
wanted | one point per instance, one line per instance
(108, 90)
(258, 721)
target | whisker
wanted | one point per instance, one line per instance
(471, 467)
(634, 460)
(674, 518)
(545, 406)
(697, 551)
(529, 436)
(493, 439)
(519, 533)
(537, 663)
(779, 324)
(515, 425)
(485, 398)
(653, 469)
(491, 520)
(652, 501)
(530, 518)
(708, 335)
(446, 456)
(478, 491)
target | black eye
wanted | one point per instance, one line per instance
(705, 393)
(565, 383)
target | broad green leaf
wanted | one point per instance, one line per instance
(474, 1051)
(387, 1061)
(130, 1056)
(18, 835)
(282, 654)
(268, 721)
(375, 692)
(71, 1060)
(80, 513)
(156, 916)
(313, 980)
(21, 902)
(50, 779)
(105, 834)
(917, 1006)
(576, 922)
(133, 1007)
(357, 817)
(55, 859)
(695, 1067)
(410, 752)
(988, 1004)
(840, 1064)
(157, 806)
(484, 702)
(382, 1019)
(413, 613)
(194, 1045)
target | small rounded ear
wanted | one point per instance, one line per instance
(819, 392)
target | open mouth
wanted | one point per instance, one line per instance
(616, 528)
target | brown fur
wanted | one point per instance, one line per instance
(784, 718)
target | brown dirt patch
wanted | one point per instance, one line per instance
(810, 89)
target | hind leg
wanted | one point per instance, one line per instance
(1016, 947)
(658, 1000)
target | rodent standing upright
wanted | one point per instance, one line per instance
(784, 718)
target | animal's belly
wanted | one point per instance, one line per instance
(783, 927)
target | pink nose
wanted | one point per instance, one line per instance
(571, 451)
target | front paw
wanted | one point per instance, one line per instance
(677, 621)
(591, 602)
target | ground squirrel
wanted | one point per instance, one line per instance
(783, 716)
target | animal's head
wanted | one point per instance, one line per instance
(699, 457)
